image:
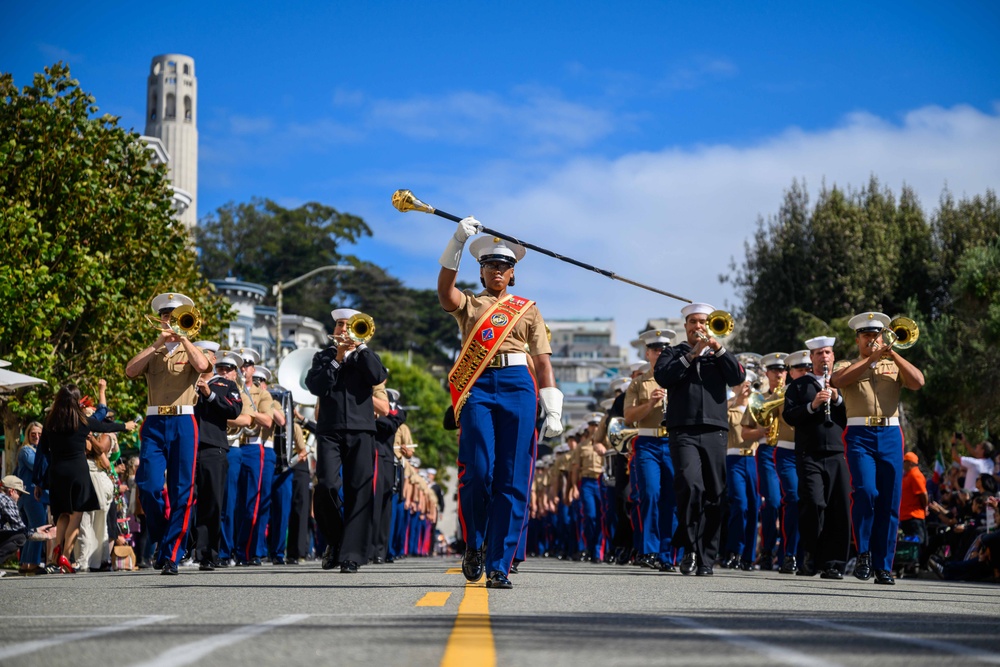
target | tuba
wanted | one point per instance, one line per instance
(620, 437)
(901, 333)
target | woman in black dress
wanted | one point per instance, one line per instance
(64, 442)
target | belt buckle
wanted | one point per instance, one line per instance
(164, 410)
(878, 421)
(498, 361)
(662, 432)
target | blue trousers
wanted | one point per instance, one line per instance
(226, 550)
(770, 491)
(744, 505)
(593, 514)
(248, 496)
(496, 457)
(264, 514)
(562, 525)
(788, 479)
(398, 530)
(635, 513)
(168, 455)
(875, 459)
(609, 522)
(281, 508)
(657, 503)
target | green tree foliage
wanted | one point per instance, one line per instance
(89, 240)
(808, 270)
(438, 448)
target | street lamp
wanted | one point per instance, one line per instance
(278, 290)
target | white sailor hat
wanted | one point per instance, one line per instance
(414, 461)
(561, 449)
(696, 309)
(773, 360)
(573, 433)
(343, 313)
(208, 345)
(595, 417)
(169, 301)
(249, 355)
(820, 342)
(798, 358)
(494, 248)
(657, 337)
(638, 367)
(869, 322)
(540, 463)
(619, 384)
(229, 358)
(262, 373)
(607, 403)
(393, 395)
(432, 471)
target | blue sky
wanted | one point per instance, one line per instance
(644, 137)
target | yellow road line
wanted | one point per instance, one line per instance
(433, 599)
(471, 640)
(453, 570)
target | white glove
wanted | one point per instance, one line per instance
(452, 255)
(552, 403)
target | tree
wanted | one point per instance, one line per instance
(89, 240)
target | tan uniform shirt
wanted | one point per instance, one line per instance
(591, 463)
(528, 334)
(640, 391)
(876, 393)
(264, 404)
(378, 391)
(735, 432)
(403, 437)
(170, 378)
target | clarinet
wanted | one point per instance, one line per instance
(826, 385)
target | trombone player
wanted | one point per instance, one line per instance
(168, 436)
(871, 384)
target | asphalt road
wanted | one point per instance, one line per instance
(420, 612)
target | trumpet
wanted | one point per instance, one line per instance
(360, 328)
(184, 321)
(719, 324)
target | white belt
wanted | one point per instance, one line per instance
(873, 421)
(509, 359)
(735, 451)
(253, 441)
(658, 432)
(169, 410)
(269, 444)
(784, 444)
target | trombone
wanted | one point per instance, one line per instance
(901, 333)
(360, 329)
(184, 321)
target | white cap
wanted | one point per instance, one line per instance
(209, 345)
(414, 461)
(494, 248)
(343, 313)
(170, 300)
(697, 309)
(773, 359)
(638, 367)
(798, 358)
(249, 355)
(262, 373)
(561, 449)
(657, 336)
(595, 417)
(820, 342)
(619, 384)
(228, 357)
(869, 322)
(606, 403)
(432, 471)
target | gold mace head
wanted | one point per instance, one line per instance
(404, 201)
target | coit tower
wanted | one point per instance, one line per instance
(172, 117)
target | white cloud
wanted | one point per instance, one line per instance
(674, 218)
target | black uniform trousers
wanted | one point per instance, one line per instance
(385, 476)
(824, 507)
(298, 516)
(210, 478)
(346, 525)
(699, 454)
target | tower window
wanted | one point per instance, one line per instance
(187, 68)
(156, 69)
(172, 66)
(171, 110)
(152, 107)
(187, 108)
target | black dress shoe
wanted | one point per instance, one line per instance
(390, 559)
(498, 579)
(348, 567)
(831, 573)
(884, 577)
(705, 571)
(513, 566)
(666, 566)
(689, 564)
(330, 559)
(863, 567)
(255, 562)
(731, 562)
(169, 567)
(647, 560)
(378, 560)
(277, 560)
(806, 568)
(291, 561)
(206, 565)
(788, 566)
(222, 562)
(158, 563)
(766, 560)
(472, 564)
(746, 565)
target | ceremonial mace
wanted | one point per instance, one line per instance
(404, 201)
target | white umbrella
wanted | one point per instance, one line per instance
(9, 380)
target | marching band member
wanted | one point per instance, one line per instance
(234, 434)
(697, 374)
(741, 484)
(252, 463)
(495, 400)
(343, 377)
(386, 427)
(871, 385)
(258, 540)
(817, 412)
(169, 434)
(589, 464)
(645, 407)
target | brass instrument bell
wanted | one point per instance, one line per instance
(901, 333)
(360, 328)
